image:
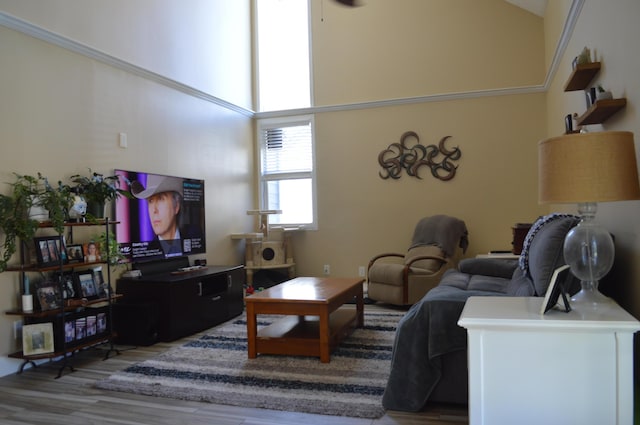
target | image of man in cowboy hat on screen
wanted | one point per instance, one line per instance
(164, 196)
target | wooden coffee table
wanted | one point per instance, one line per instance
(315, 323)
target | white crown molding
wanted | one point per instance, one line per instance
(565, 36)
(17, 24)
(404, 101)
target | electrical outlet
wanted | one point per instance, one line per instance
(17, 329)
(326, 269)
(361, 271)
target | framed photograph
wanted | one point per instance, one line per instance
(92, 326)
(101, 323)
(69, 331)
(75, 253)
(86, 285)
(69, 290)
(81, 328)
(49, 296)
(30, 257)
(91, 252)
(102, 287)
(49, 251)
(37, 339)
(60, 245)
(557, 288)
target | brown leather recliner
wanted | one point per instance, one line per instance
(402, 279)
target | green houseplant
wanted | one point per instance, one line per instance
(110, 248)
(97, 189)
(55, 199)
(16, 221)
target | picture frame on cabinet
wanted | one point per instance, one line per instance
(85, 284)
(75, 253)
(49, 251)
(49, 295)
(37, 339)
(556, 290)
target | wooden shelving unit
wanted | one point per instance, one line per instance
(67, 308)
(582, 76)
(60, 353)
(601, 110)
(57, 316)
(35, 268)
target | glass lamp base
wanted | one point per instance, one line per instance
(589, 295)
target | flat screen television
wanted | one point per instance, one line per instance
(164, 217)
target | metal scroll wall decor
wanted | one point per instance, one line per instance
(400, 156)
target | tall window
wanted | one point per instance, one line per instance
(287, 180)
(283, 54)
(287, 167)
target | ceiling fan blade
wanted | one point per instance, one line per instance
(351, 3)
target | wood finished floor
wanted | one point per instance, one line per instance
(36, 397)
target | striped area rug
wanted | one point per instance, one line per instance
(215, 369)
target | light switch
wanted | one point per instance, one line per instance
(122, 137)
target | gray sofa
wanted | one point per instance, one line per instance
(429, 361)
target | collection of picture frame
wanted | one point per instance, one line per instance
(78, 328)
(50, 250)
(87, 284)
(40, 338)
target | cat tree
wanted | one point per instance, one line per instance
(267, 248)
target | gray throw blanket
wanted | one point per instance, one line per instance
(442, 231)
(428, 331)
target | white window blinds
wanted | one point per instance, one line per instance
(288, 149)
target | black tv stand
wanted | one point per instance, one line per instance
(187, 302)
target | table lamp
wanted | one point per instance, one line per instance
(588, 168)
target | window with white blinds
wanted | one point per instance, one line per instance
(287, 175)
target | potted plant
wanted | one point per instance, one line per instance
(109, 248)
(56, 200)
(17, 219)
(15, 222)
(97, 189)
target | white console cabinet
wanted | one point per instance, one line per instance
(557, 368)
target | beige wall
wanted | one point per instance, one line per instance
(410, 48)
(361, 215)
(407, 48)
(163, 36)
(61, 113)
(610, 30)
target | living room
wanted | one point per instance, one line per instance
(179, 84)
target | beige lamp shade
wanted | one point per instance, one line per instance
(588, 167)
